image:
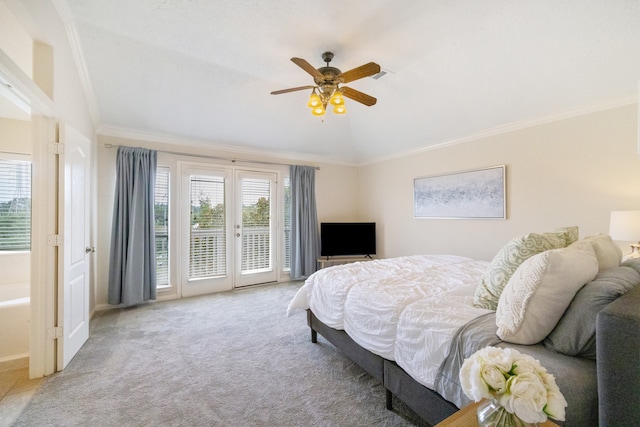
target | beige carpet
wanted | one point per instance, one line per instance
(230, 359)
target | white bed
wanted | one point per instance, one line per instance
(403, 309)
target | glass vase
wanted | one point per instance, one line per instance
(491, 414)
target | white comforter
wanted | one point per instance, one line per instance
(404, 309)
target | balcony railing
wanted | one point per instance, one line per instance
(256, 249)
(208, 253)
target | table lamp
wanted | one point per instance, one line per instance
(625, 226)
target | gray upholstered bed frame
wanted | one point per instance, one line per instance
(617, 367)
(424, 402)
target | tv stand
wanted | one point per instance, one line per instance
(328, 261)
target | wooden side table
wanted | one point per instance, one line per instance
(466, 417)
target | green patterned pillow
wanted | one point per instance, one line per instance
(509, 258)
(570, 234)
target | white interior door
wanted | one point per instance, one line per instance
(255, 227)
(73, 298)
(206, 202)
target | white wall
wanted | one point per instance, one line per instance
(15, 41)
(15, 136)
(569, 172)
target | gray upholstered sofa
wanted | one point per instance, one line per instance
(618, 361)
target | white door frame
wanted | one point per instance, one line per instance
(184, 168)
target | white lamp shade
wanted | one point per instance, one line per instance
(625, 226)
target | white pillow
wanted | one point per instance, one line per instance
(540, 291)
(607, 251)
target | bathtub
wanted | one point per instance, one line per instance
(14, 321)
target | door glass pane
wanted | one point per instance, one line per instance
(208, 246)
(161, 210)
(256, 221)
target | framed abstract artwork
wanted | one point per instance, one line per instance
(474, 194)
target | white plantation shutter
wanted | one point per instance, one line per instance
(15, 205)
(161, 207)
(287, 223)
(208, 246)
(256, 230)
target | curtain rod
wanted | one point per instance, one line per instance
(229, 159)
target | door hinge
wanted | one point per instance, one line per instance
(56, 148)
(55, 333)
(54, 240)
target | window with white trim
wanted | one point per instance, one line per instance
(286, 256)
(15, 205)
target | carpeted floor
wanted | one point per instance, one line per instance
(229, 359)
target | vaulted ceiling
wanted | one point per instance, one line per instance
(203, 70)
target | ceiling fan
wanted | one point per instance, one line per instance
(327, 89)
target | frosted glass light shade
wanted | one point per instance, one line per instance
(625, 226)
(337, 99)
(340, 109)
(318, 111)
(314, 100)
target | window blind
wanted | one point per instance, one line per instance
(161, 213)
(287, 224)
(208, 239)
(256, 225)
(15, 205)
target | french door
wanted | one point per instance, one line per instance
(228, 223)
(254, 227)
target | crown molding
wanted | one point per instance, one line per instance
(511, 127)
(209, 146)
(66, 16)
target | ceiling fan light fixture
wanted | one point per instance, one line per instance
(326, 90)
(340, 109)
(337, 98)
(314, 100)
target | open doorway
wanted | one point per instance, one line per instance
(27, 111)
(15, 229)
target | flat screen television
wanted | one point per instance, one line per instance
(347, 238)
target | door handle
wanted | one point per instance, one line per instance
(89, 249)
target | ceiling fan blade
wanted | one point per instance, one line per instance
(293, 89)
(365, 70)
(356, 95)
(308, 68)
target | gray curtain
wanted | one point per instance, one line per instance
(132, 265)
(305, 241)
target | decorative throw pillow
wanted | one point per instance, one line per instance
(509, 258)
(570, 234)
(607, 251)
(540, 291)
(575, 333)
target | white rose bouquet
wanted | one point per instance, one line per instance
(516, 381)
